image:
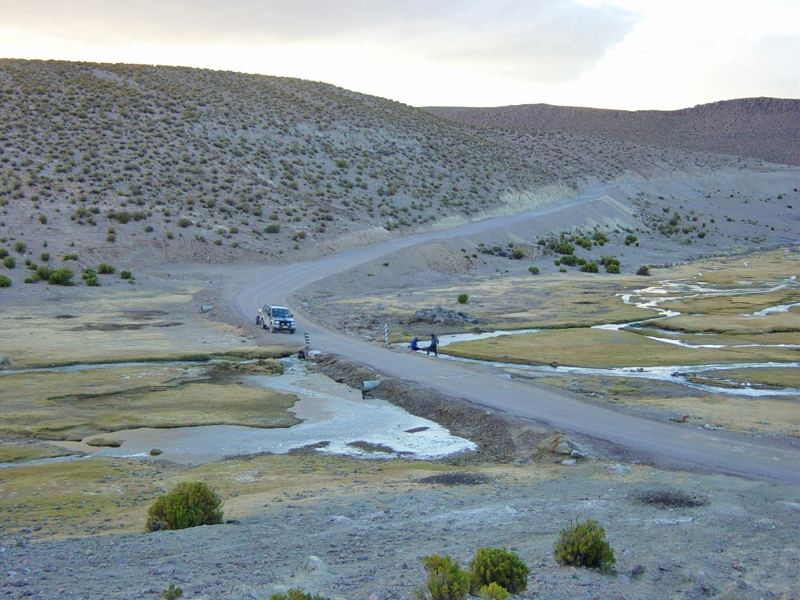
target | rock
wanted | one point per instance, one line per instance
(637, 571)
(313, 564)
(619, 469)
(570, 462)
(441, 316)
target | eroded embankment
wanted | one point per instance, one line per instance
(499, 439)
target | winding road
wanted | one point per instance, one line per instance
(670, 445)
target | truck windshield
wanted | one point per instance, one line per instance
(281, 313)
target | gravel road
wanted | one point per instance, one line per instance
(673, 445)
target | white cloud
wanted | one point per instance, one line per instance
(607, 53)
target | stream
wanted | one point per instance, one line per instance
(650, 298)
(336, 419)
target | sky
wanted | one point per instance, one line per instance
(619, 54)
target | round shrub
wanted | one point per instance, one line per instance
(533, 270)
(183, 222)
(44, 272)
(644, 271)
(9, 262)
(190, 504)
(584, 545)
(295, 594)
(4, 281)
(517, 254)
(590, 267)
(62, 276)
(462, 298)
(44, 256)
(105, 269)
(446, 580)
(3, 252)
(272, 228)
(19, 247)
(125, 275)
(500, 566)
(493, 592)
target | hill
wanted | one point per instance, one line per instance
(176, 164)
(765, 128)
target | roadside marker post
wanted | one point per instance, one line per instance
(386, 333)
(308, 339)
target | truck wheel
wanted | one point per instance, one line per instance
(291, 331)
(263, 325)
(258, 320)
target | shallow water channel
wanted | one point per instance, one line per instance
(650, 298)
(334, 417)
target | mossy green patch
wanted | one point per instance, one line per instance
(73, 405)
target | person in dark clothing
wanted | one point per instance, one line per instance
(434, 345)
(415, 344)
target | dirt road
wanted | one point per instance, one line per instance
(669, 444)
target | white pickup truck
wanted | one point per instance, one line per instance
(275, 318)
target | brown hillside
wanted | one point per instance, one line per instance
(765, 128)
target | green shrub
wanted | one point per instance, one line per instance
(169, 235)
(105, 269)
(190, 504)
(4, 281)
(19, 247)
(446, 580)
(62, 276)
(3, 252)
(498, 565)
(584, 243)
(613, 268)
(88, 273)
(44, 256)
(44, 272)
(583, 545)
(125, 275)
(517, 253)
(570, 260)
(183, 222)
(463, 298)
(631, 239)
(272, 228)
(562, 247)
(644, 270)
(590, 267)
(172, 592)
(42, 219)
(67, 257)
(9, 262)
(600, 238)
(493, 592)
(534, 270)
(122, 216)
(295, 594)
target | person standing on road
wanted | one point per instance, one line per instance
(434, 345)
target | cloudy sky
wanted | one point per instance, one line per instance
(625, 54)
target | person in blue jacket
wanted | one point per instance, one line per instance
(415, 344)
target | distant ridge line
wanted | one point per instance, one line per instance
(764, 128)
